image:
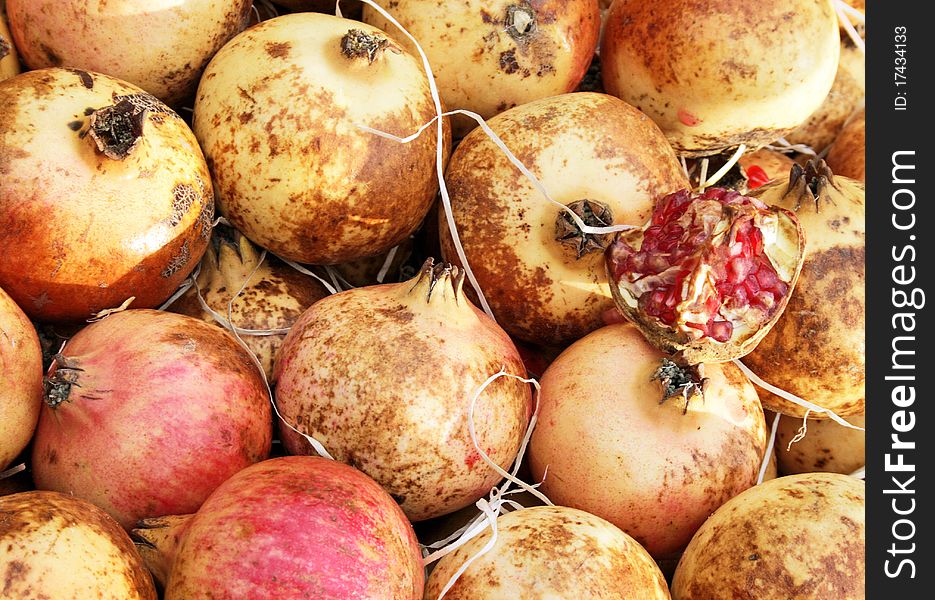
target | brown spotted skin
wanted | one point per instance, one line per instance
(82, 232)
(798, 537)
(847, 156)
(717, 73)
(170, 42)
(274, 294)
(816, 348)
(20, 379)
(650, 468)
(551, 552)
(481, 65)
(277, 113)
(383, 378)
(846, 96)
(9, 59)
(580, 146)
(297, 527)
(826, 448)
(58, 546)
(167, 407)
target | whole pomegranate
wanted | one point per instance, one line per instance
(637, 440)
(9, 60)
(383, 376)
(291, 527)
(147, 413)
(170, 41)
(542, 276)
(57, 546)
(827, 447)
(274, 294)
(21, 377)
(519, 51)
(551, 552)
(847, 156)
(816, 348)
(717, 74)
(800, 536)
(709, 274)
(104, 195)
(278, 113)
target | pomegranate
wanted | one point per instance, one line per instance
(794, 537)
(274, 294)
(9, 59)
(491, 55)
(384, 377)
(542, 276)
(551, 552)
(170, 41)
(21, 374)
(389, 265)
(147, 413)
(762, 166)
(715, 75)
(291, 527)
(709, 274)
(278, 114)
(104, 195)
(816, 349)
(826, 447)
(846, 96)
(349, 8)
(847, 156)
(57, 546)
(635, 439)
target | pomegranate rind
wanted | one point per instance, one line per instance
(786, 253)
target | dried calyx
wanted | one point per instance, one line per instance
(358, 44)
(443, 276)
(709, 275)
(117, 128)
(5, 48)
(680, 382)
(593, 214)
(63, 374)
(520, 21)
(810, 184)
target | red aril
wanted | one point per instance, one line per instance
(708, 275)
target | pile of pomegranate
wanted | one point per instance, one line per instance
(404, 300)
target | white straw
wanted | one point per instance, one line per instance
(769, 449)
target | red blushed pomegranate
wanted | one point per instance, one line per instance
(635, 439)
(292, 527)
(491, 55)
(104, 195)
(709, 274)
(170, 42)
(383, 376)
(21, 377)
(147, 413)
(57, 546)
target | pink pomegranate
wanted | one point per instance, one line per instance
(21, 377)
(292, 527)
(147, 413)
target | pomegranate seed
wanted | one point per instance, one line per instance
(720, 330)
(756, 177)
(766, 278)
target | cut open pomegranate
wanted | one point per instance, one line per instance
(710, 273)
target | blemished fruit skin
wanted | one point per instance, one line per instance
(170, 41)
(383, 376)
(57, 546)
(491, 55)
(715, 74)
(20, 380)
(847, 156)
(800, 536)
(606, 444)
(291, 527)
(580, 146)
(86, 223)
(279, 113)
(827, 446)
(816, 350)
(9, 59)
(551, 552)
(163, 409)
